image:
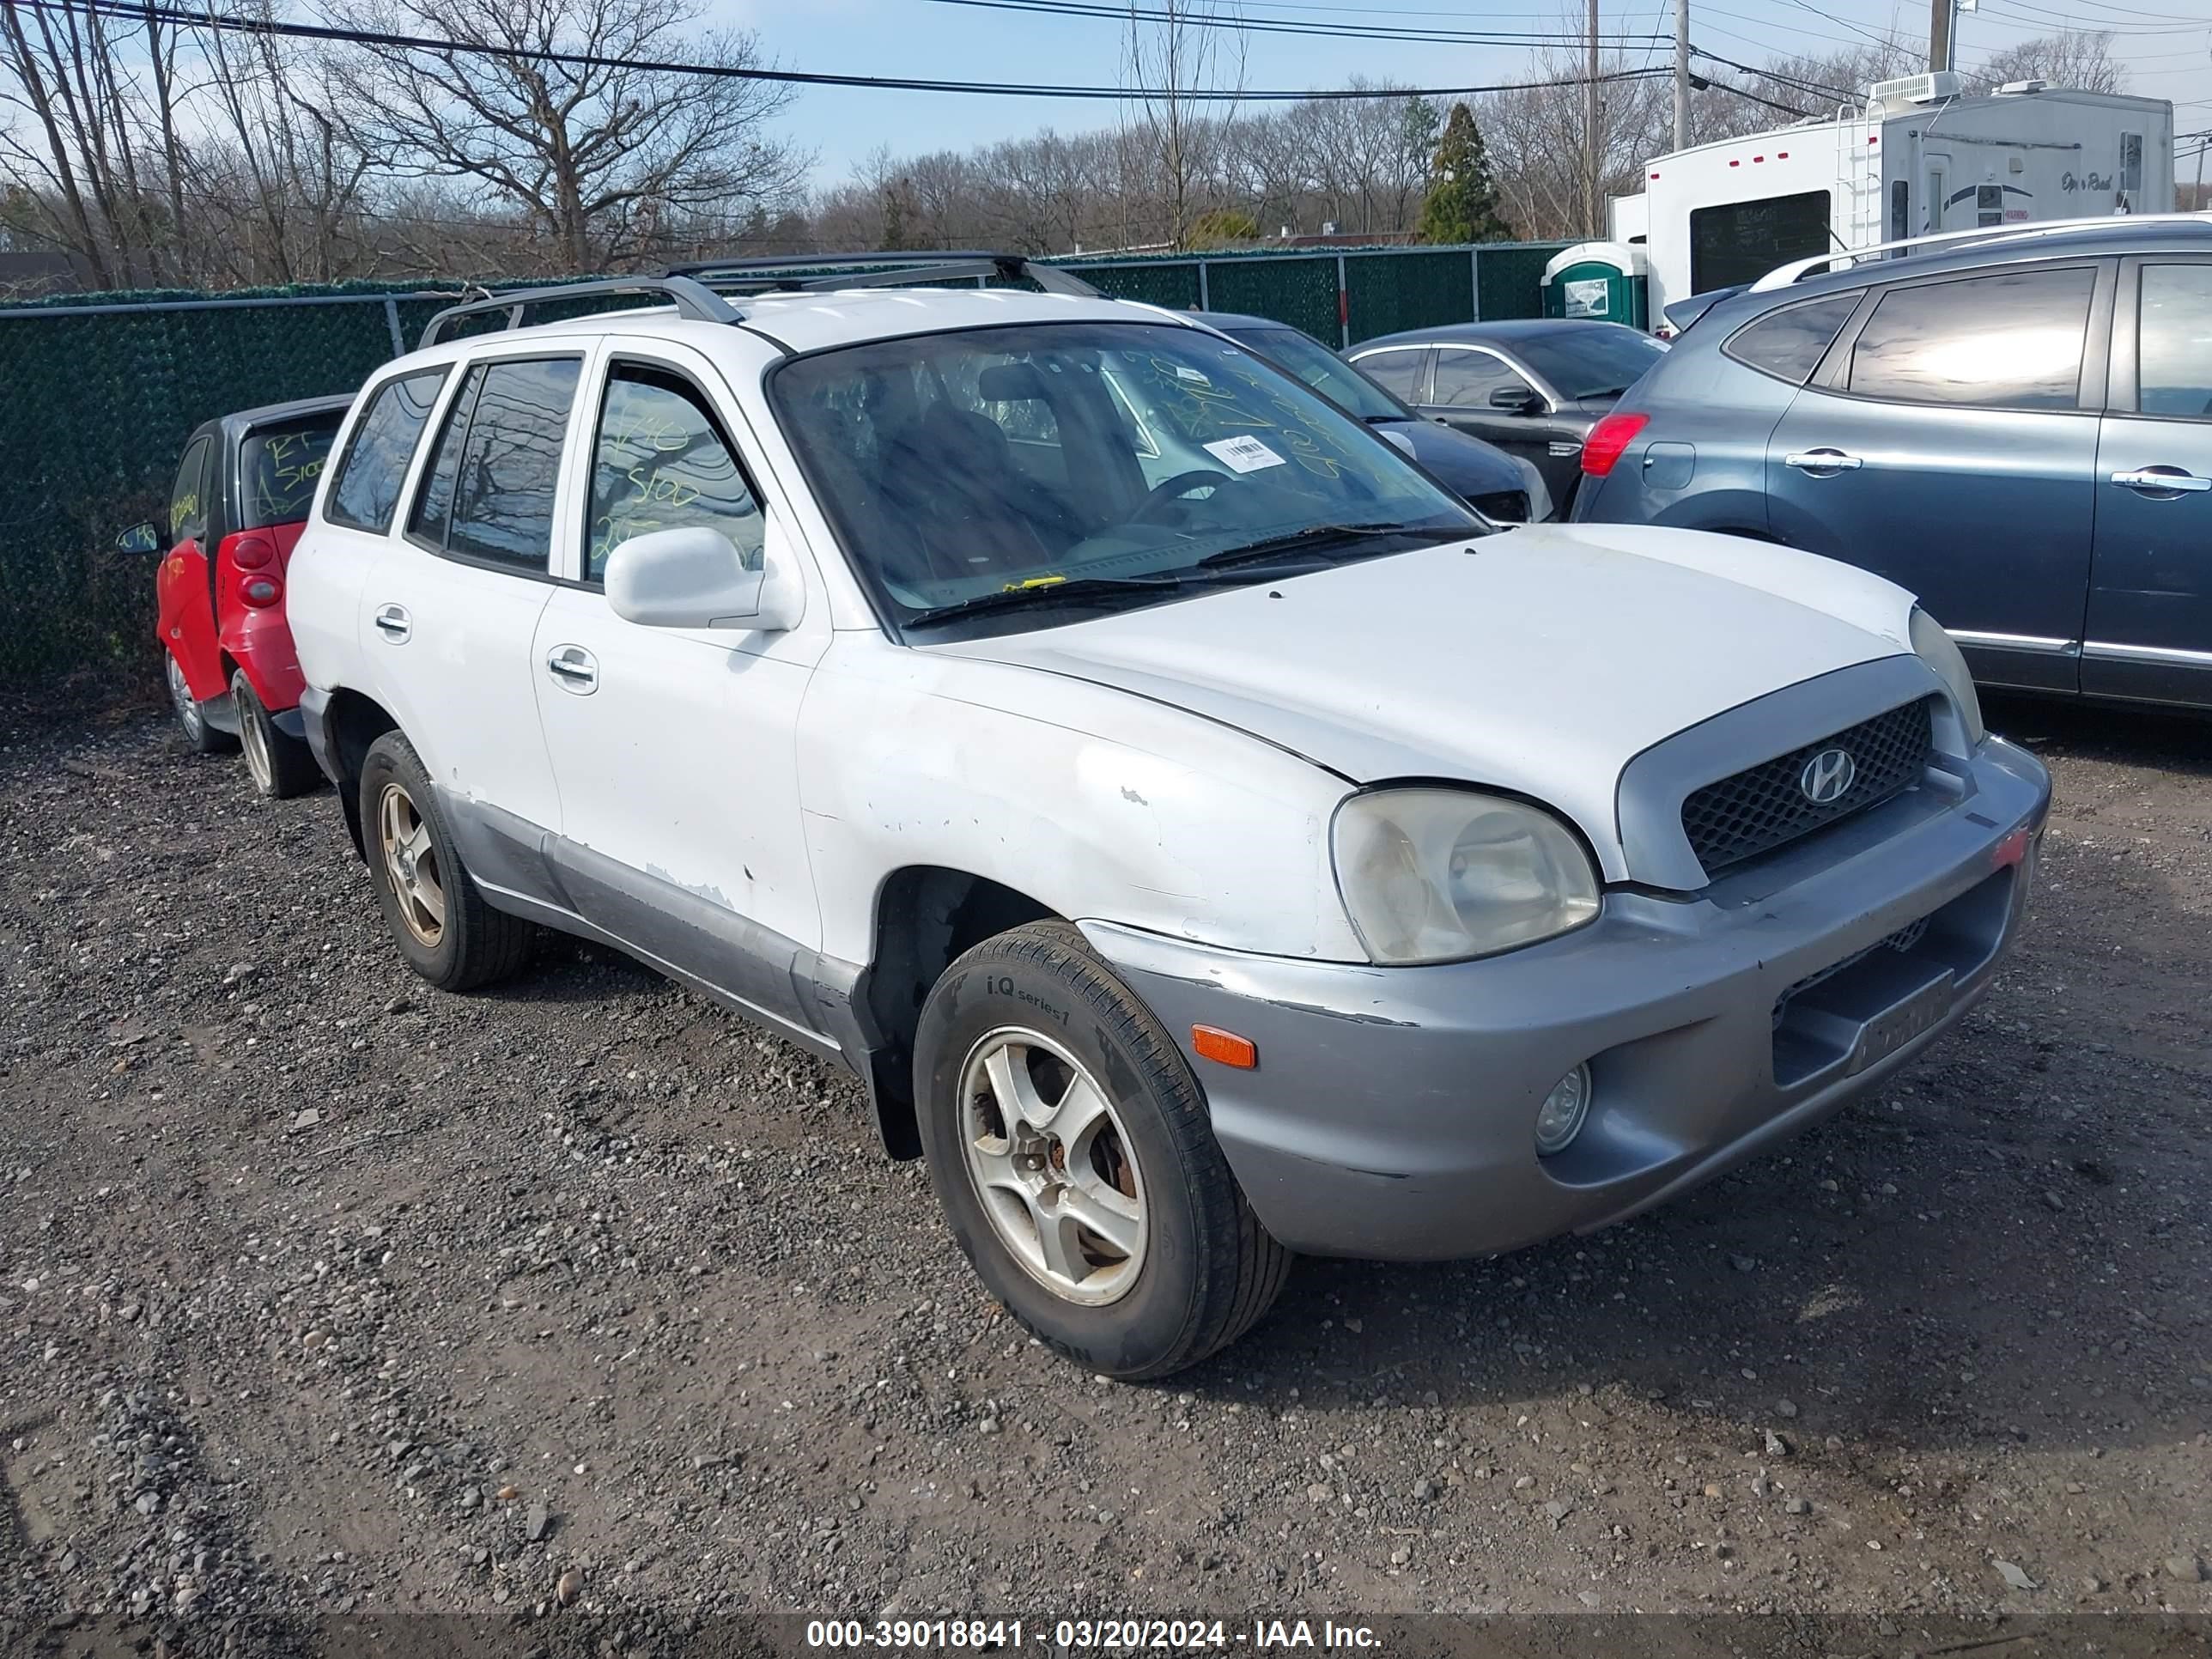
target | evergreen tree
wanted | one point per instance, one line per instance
(1462, 202)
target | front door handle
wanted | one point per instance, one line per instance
(394, 623)
(1823, 463)
(2164, 481)
(573, 668)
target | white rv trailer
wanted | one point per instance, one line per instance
(1921, 157)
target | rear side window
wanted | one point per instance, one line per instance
(366, 487)
(2008, 340)
(489, 492)
(278, 467)
(1396, 371)
(1790, 343)
(2173, 341)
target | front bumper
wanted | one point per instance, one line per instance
(1392, 1112)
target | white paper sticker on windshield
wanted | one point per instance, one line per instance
(1243, 453)
(1192, 375)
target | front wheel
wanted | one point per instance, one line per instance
(1070, 1147)
(204, 738)
(281, 766)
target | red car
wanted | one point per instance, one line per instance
(241, 498)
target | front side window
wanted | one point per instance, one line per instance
(2008, 340)
(188, 495)
(1739, 242)
(1465, 379)
(1790, 343)
(2173, 341)
(659, 462)
(1397, 370)
(278, 467)
(1250, 475)
(366, 490)
(490, 491)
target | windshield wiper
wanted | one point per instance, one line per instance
(1080, 589)
(1313, 539)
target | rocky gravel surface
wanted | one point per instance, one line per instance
(580, 1304)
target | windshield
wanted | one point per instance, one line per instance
(1591, 360)
(1039, 473)
(1324, 371)
(278, 466)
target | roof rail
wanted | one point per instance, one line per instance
(1784, 276)
(888, 269)
(692, 300)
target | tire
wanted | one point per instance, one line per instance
(436, 916)
(1033, 1012)
(280, 765)
(199, 736)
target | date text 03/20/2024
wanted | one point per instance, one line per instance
(988, 1635)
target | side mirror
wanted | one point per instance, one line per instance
(694, 578)
(1515, 399)
(144, 537)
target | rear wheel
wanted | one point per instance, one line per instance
(203, 738)
(281, 765)
(1070, 1147)
(438, 918)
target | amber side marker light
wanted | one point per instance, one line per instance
(1223, 1048)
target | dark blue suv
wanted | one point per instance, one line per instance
(2018, 430)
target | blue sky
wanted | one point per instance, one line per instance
(2166, 47)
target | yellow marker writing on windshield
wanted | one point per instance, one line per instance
(1033, 582)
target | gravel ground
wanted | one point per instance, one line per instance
(324, 1294)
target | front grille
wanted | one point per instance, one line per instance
(1762, 808)
(1506, 507)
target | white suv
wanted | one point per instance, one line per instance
(1207, 838)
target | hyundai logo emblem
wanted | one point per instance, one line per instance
(1829, 776)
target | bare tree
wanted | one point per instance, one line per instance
(1178, 49)
(2073, 57)
(599, 157)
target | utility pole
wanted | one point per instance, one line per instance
(1681, 74)
(1593, 218)
(1941, 18)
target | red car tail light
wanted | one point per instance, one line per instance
(252, 552)
(261, 592)
(1611, 435)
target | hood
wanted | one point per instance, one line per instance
(1541, 660)
(1468, 466)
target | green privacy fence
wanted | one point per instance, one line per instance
(97, 394)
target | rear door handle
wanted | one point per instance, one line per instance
(1819, 463)
(573, 668)
(2162, 480)
(393, 623)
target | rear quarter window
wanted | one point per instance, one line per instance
(1789, 344)
(366, 491)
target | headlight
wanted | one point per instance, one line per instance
(1438, 875)
(1940, 653)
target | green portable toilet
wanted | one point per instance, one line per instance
(1605, 281)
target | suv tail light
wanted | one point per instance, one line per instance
(252, 552)
(1611, 435)
(261, 592)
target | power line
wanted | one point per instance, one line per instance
(123, 11)
(1243, 23)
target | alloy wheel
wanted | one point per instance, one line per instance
(412, 864)
(1053, 1166)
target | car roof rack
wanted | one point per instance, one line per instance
(691, 299)
(1784, 275)
(781, 273)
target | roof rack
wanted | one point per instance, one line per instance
(1784, 275)
(693, 300)
(887, 268)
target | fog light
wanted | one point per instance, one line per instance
(1559, 1119)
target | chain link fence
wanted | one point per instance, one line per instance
(97, 394)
